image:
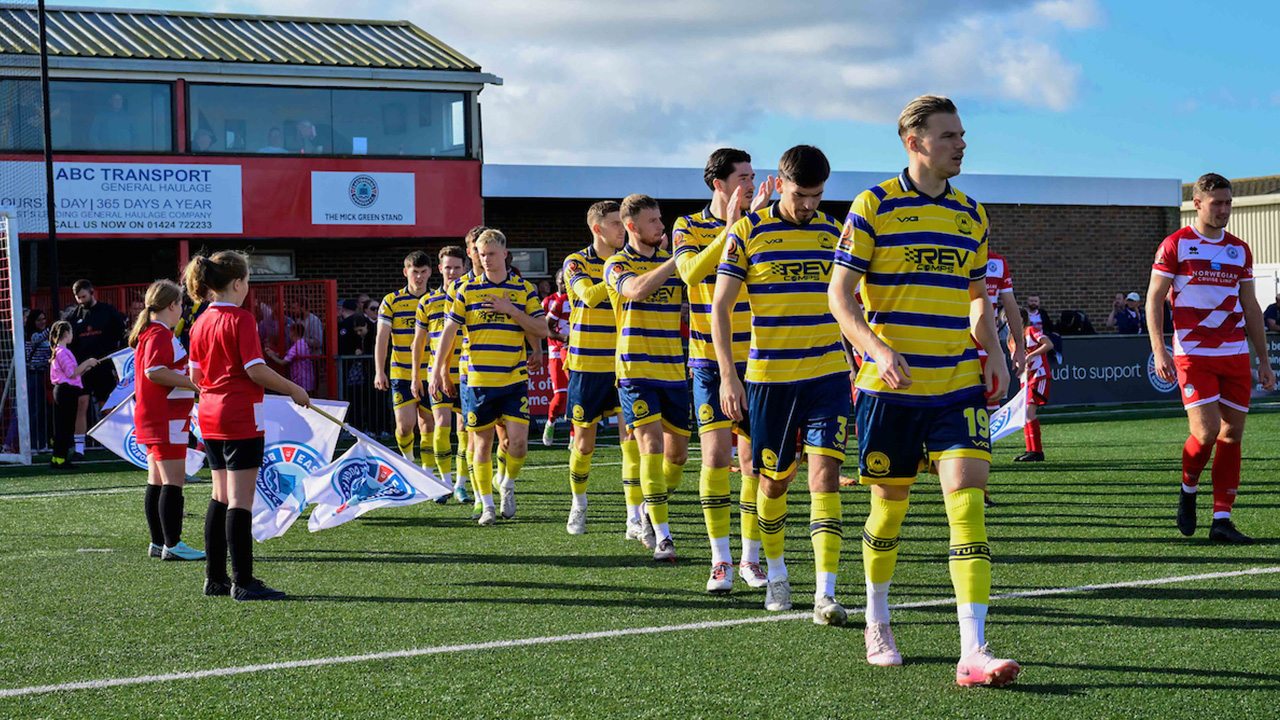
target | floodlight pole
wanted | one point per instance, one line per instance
(50, 208)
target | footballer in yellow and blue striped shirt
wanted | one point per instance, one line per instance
(698, 242)
(497, 311)
(797, 376)
(593, 380)
(647, 298)
(918, 246)
(395, 328)
(429, 326)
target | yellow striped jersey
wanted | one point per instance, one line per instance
(786, 269)
(431, 317)
(699, 241)
(398, 310)
(650, 349)
(461, 340)
(495, 342)
(593, 329)
(918, 255)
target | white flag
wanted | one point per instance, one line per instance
(1012, 416)
(367, 477)
(298, 443)
(123, 360)
(117, 433)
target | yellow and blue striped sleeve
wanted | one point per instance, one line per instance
(858, 237)
(733, 261)
(591, 293)
(617, 271)
(457, 307)
(692, 263)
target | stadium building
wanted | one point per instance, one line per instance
(331, 147)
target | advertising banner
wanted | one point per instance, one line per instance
(362, 198)
(1099, 370)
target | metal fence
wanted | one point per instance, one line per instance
(370, 408)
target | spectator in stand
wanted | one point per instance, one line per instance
(136, 307)
(38, 354)
(1040, 317)
(362, 303)
(1075, 322)
(1271, 317)
(302, 369)
(1130, 319)
(36, 331)
(313, 326)
(98, 330)
(346, 316)
(370, 312)
(1117, 304)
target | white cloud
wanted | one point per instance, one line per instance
(664, 81)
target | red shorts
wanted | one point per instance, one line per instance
(167, 451)
(1205, 379)
(560, 386)
(1038, 392)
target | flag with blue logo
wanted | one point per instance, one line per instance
(116, 432)
(298, 443)
(1012, 416)
(123, 362)
(367, 477)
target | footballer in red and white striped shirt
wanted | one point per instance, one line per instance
(1210, 273)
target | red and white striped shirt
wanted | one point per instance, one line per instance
(1206, 274)
(557, 308)
(998, 279)
(1036, 366)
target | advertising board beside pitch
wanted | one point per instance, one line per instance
(1111, 369)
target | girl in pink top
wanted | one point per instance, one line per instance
(68, 388)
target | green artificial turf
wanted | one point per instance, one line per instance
(1099, 511)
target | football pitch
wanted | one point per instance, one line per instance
(417, 612)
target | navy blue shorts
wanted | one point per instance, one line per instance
(896, 441)
(644, 404)
(818, 409)
(402, 394)
(484, 407)
(706, 402)
(592, 397)
(453, 403)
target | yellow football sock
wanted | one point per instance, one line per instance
(713, 490)
(826, 532)
(427, 451)
(631, 489)
(464, 455)
(773, 522)
(440, 445)
(579, 470)
(405, 443)
(747, 508)
(970, 555)
(482, 478)
(880, 538)
(502, 463)
(514, 466)
(673, 474)
(654, 485)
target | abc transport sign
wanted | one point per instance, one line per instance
(362, 198)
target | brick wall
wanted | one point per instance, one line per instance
(1072, 256)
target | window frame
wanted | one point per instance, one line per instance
(470, 151)
(173, 117)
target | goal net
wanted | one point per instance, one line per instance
(15, 410)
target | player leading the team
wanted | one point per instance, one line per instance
(647, 299)
(920, 249)
(797, 377)
(593, 380)
(496, 310)
(1215, 316)
(698, 242)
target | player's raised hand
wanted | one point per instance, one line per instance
(763, 194)
(892, 367)
(1164, 366)
(1267, 376)
(666, 242)
(733, 398)
(733, 213)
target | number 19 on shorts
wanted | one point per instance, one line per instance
(979, 423)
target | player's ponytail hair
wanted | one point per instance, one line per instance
(160, 295)
(214, 273)
(60, 328)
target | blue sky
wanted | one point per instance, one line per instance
(1045, 87)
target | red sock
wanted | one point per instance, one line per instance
(1194, 457)
(1029, 434)
(1226, 476)
(1035, 436)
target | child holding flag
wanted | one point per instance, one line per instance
(227, 366)
(163, 396)
(68, 390)
(1038, 346)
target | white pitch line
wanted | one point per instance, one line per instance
(576, 637)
